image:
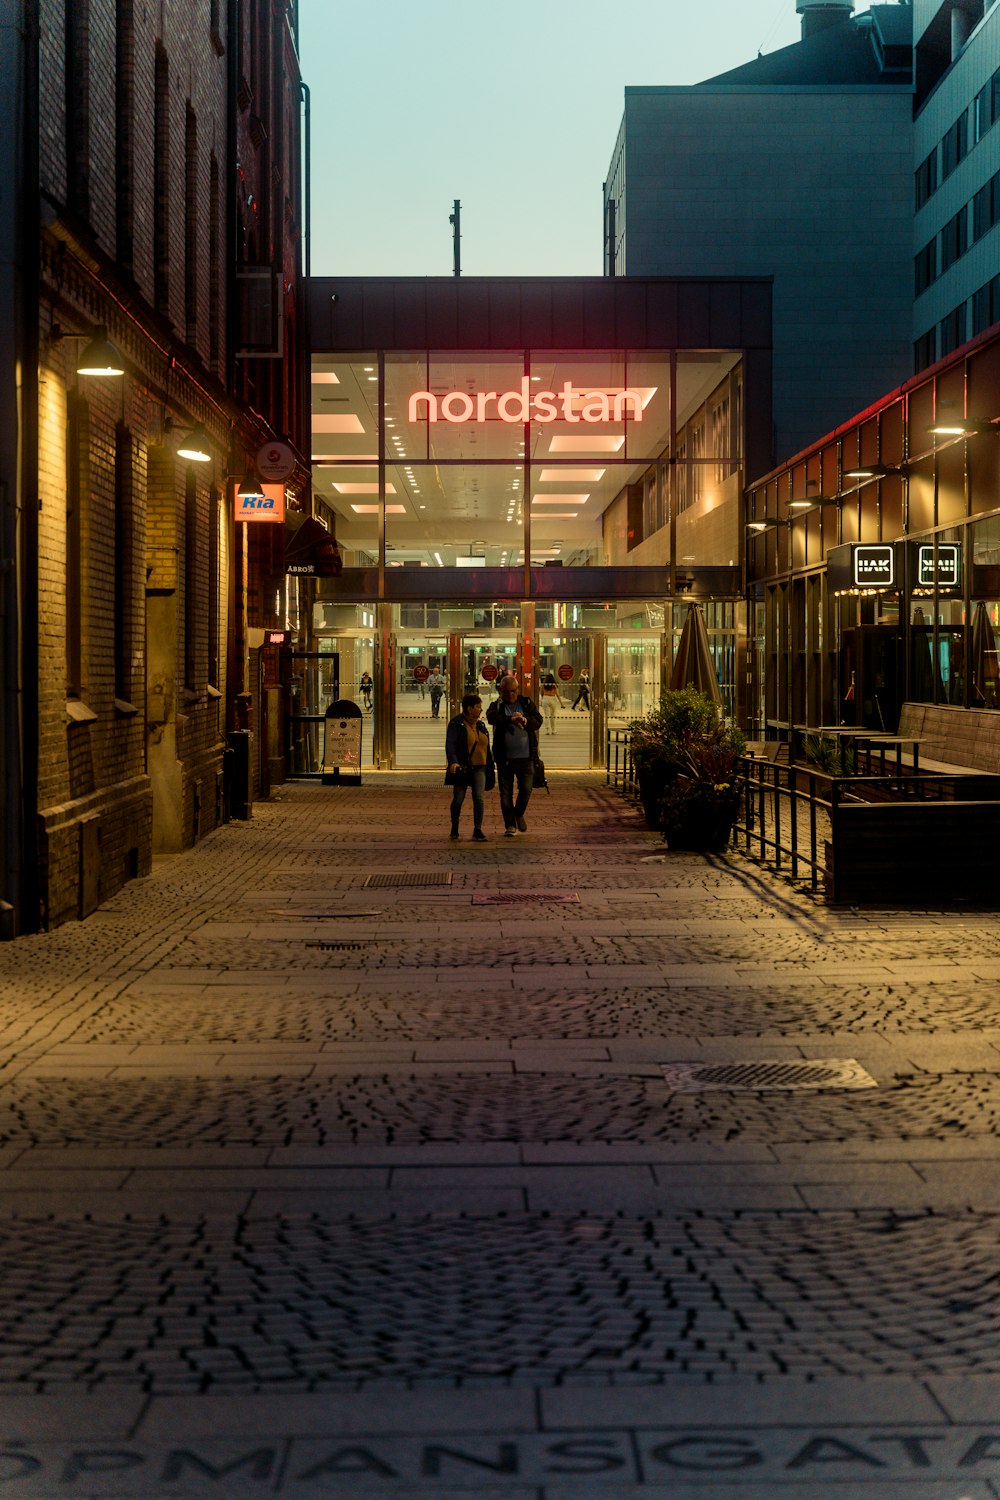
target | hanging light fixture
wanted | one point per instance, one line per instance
(195, 446)
(100, 357)
(249, 488)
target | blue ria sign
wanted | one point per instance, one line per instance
(267, 506)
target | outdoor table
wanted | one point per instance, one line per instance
(882, 741)
(861, 741)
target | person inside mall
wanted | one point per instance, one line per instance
(516, 722)
(470, 764)
(437, 684)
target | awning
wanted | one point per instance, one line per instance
(310, 550)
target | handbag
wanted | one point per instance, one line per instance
(538, 768)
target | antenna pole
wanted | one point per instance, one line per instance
(455, 218)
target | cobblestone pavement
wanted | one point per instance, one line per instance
(314, 1183)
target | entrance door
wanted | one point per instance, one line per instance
(634, 675)
(459, 657)
(566, 663)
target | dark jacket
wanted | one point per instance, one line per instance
(496, 716)
(456, 749)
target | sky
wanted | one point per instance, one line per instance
(513, 109)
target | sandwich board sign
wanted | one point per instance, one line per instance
(342, 743)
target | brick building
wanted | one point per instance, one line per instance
(155, 154)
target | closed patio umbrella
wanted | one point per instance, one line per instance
(985, 665)
(693, 666)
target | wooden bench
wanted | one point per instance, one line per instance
(914, 854)
(953, 739)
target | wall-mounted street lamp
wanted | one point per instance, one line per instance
(870, 471)
(249, 488)
(961, 426)
(100, 357)
(194, 445)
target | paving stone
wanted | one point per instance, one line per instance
(568, 1242)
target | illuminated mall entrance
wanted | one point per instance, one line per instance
(533, 474)
(586, 677)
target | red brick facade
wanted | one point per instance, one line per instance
(167, 159)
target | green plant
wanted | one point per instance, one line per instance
(828, 757)
(659, 738)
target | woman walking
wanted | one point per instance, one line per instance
(550, 697)
(584, 690)
(470, 764)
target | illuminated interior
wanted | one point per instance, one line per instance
(433, 459)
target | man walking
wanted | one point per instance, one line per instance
(516, 722)
(436, 684)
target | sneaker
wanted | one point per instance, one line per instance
(521, 824)
(510, 833)
(453, 834)
(479, 836)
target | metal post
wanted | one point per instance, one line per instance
(598, 696)
(384, 715)
(455, 219)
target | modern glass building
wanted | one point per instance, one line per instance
(537, 474)
(875, 560)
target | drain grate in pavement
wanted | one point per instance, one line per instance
(527, 898)
(335, 947)
(408, 877)
(762, 1077)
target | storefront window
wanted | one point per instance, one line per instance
(345, 449)
(470, 458)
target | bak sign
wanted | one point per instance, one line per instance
(874, 565)
(270, 506)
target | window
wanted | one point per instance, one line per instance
(927, 178)
(982, 112)
(925, 267)
(77, 104)
(982, 213)
(191, 225)
(986, 306)
(952, 330)
(76, 459)
(124, 134)
(214, 585)
(955, 238)
(124, 563)
(190, 581)
(925, 350)
(214, 294)
(161, 181)
(955, 145)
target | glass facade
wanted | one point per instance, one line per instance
(434, 459)
(918, 481)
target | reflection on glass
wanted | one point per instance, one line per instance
(479, 451)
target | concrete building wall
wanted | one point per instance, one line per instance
(971, 71)
(810, 185)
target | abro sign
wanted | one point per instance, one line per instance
(525, 405)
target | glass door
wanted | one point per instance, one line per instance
(423, 695)
(564, 691)
(634, 680)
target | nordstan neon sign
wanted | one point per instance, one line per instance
(525, 405)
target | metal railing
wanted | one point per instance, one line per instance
(785, 819)
(618, 766)
(789, 814)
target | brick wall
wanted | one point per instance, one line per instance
(124, 585)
